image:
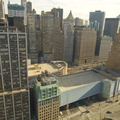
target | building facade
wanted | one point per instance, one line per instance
(51, 36)
(15, 10)
(24, 3)
(14, 88)
(105, 48)
(17, 22)
(60, 12)
(114, 57)
(84, 45)
(47, 97)
(32, 41)
(98, 16)
(47, 35)
(78, 22)
(29, 7)
(68, 38)
(112, 26)
(2, 9)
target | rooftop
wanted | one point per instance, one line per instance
(106, 71)
(46, 79)
(53, 67)
(79, 79)
(32, 71)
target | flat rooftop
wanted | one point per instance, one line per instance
(53, 67)
(79, 79)
(107, 71)
(41, 68)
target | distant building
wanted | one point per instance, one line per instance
(47, 97)
(99, 17)
(52, 36)
(95, 25)
(105, 48)
(2, 9)
(84, 45)
(24, 3)
(68, 38)
(14, 87)
(32, 41)
(113, 62)
(112, 26)
(78, 22)
(17, 22)
(15, 10)
(60, 11)
(29, 7)
(47, 35)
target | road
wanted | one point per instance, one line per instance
(97, 111)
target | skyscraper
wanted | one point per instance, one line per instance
(112, 26)
(84, 45)
(14, 88)
(47, 35)
(15, 10)
(2, 9)
(99, 17)
(29, 7)
(105, 48)
(78, 22)
(52, 36)
(68, 38)
(24, 3)
(60, 11)
(32, 41)
(113, 62)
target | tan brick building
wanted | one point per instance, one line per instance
(113, 62)
(84, 46)
(52, 36)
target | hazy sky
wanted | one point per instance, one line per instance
(80, 8)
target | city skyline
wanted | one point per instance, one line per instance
(79, 9)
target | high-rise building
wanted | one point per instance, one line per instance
(14, 88)
(68, 38)
(2, 9)
(60, 11)
(17, 22)
(112, 26)
(47, 97)
(84, 45)
(52, 36)
(113, 62)
(99, 17)
(24, 3)
(29, 7)
(105, 47)
(95, 25)
(15, 10)
(58, 36)
(32, 42)
(78, 22)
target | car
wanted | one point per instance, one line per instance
(110, 101)
(108, 112)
